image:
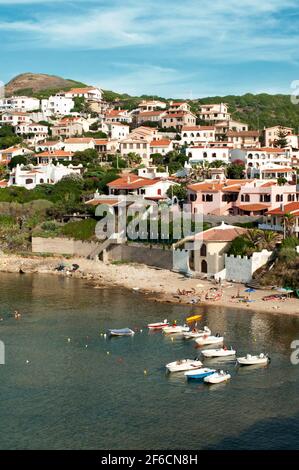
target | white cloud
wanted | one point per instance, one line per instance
(233, 30)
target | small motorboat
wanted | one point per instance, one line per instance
(195, 333)
(250, 360)
(222, 352)
(199, 373)
(217, 377)
(206, 340)
(183, 365)
(158, 326)
(174, 329)
(121, 332)
(193, 318)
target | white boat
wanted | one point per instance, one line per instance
(250, 360)
(195, 333)
(199, 373)
(121, 332)
(173, 329)
(222, 352)
(183, 365)
(158, 326)
(206, 340)
(217, 377)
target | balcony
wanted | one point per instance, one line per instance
(274, 228)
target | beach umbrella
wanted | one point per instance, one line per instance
(250, 290)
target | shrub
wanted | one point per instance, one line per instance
(81, 230)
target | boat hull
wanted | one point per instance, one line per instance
(183, 365)
(217, 378)
(209, 340)
(199, 374)
(218, 353)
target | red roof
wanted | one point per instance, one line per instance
(55, 153)
(160, 143)
(292, 207)
(253, 207)
(277, 170)
(222, 233)
(132, 182)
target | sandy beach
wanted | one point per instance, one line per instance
(157, 284)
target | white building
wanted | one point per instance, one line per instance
(118, 130)
(271, 134)
(57, 105)
(257, 159)
(89, 93)
(29, 178)
(7, 154)
(161, 146)
(151, 105)
(78, 144)
(192, 134)
(204, 153)
(19, 103)
(214, 112)
(14, 118)
(35, 132)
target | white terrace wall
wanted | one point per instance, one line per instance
(241, 269)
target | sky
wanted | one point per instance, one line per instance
(170, 48)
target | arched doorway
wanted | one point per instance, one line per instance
(204, 266)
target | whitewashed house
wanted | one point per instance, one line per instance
(30, 177)
(78, 144)
(192, 134)
(19, 103)
(57, 105)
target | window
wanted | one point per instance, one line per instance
(29, 181)
(247, 198)
(192, 197)
(203, 250)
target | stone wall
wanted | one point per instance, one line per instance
(62, 246)
(139, 253)
(131, 252)
(241, 269)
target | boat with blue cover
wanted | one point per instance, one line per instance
(199, 374)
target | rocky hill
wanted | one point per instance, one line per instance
(38, 84)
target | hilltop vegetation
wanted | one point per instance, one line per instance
(258, 111)
(39, 85)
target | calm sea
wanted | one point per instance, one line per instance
(92, 393)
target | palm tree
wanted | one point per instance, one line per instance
(269, 239)
(289, 221)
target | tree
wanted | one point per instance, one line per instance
(85, 157)
(17, 160)
(269, 239)
(133, 158)
(281, 181)
(289, 221)
(235, 171)
(281, 140)
(178, 191)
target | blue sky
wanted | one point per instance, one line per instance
(172, 48)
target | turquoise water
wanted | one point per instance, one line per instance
(73, 395)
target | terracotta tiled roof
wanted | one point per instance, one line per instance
(266, 150)
(222, 233)
(109, 202)
(243, 133)
(55, 153)
(160, 143)
(151, 113)
(292, 207)
(78, 140)
(253, 207)
(277, 170)
(132, 182)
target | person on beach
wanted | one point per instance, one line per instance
(17, 315)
